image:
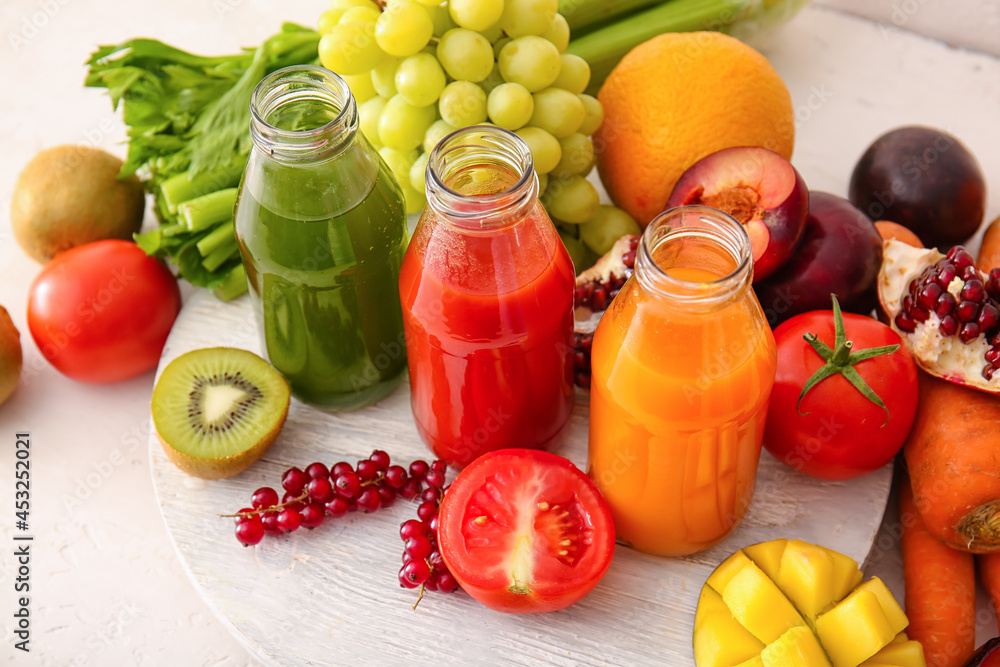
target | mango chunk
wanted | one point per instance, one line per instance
(767, 556)
(893, 612)
(796, 648)
(758, 604)
(846, 575)
(752, 662)
(806, 577)
(855, 629)
(719, 640)
(899, 654)
(726, 570)
(901, 637)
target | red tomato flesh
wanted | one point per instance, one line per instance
(525, 531)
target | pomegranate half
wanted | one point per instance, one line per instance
(946, 311)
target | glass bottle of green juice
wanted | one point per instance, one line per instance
(322, 228)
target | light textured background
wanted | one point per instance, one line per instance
(107, 587)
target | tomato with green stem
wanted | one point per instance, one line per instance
(525, 531)
(844, 396)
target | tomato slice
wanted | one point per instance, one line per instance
(525, 531)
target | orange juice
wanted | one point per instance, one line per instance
(682, 366)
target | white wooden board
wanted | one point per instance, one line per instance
(330, 596)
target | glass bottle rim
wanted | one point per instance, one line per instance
(485, 145)
(276, 90)
(712, 226)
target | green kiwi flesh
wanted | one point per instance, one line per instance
(217, 410)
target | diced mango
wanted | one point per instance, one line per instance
(767, 556)
(855, 629)
(893, 612)
(719, 640)
(758, 604)
(725, 571)
(901, 637)
(806, 577)
(752, 662)
(899, 654)
(796, 648)
(846, 575)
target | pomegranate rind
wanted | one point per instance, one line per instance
(945, 357)
(610, 263)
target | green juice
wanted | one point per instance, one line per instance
(322, 242)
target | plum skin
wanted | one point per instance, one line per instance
(923, 179)
(761, 190)
(840, 253)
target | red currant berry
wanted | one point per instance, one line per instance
(270, 522)
(430, 495)
(405, 578)
(412, 528)
(369, 500)
(418, 469)
(446, 582)
(317, 470)
(435, 561)
(249, 533)
(380, 459)
(289, 520)
(340, 468)
(435, 479)
(427, 511)
(415, 573)
(319, 489)
(388, 494)
(336, 507)
(439, 466)
(312, 515)
(395, 476)
(289, 501)
(264, 497)
(411, 489)
(294, 480)
(348, 485)
(418, 546)
(367, 470)
(432, 525)
(243, 515)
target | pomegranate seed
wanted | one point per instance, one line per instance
(628, 259)
(995, 341)
(907, 304)
(903, 322)
(945, 304)
(969, 332)
(968, 273)
(946, 275)
(914, 286)
(586, 342)
(600, 300)
(919, 313)
(962, 258)
(579, 359)
(973, 290)
(949, 325)
(988, 317)
(967, 311)
(993, 356)
(929, 295)
(988, 372)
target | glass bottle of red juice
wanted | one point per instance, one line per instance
(487, 293)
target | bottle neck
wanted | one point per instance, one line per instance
(302, 113)
(481, 178)
(697, 257)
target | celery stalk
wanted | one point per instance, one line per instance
(222, 254)
(183, 187)
(217, 237)
(745, 19)
(207, 210)
(584, 15)
(234, 284)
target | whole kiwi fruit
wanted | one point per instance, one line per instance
(71, 195)
(11, 359)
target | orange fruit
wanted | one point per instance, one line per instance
(676, 98)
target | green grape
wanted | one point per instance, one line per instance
(403, 28)
(475, 15)
(558, 33)
(528, 17)
(327, 20)
(465, 55)
(498, 46)
(430, 4)
(365, 14)
(492, 81)
(350, 48)
(420, 79)
(545, 148)
(577, 156)
(442, 20)
(384, 77)
(399, 163)
(402, 125)
(435, 133)
(415, 200)
(574, 199)
(344, 5)
(361, 87)
(530, 61)
(418, 173)
(593, 114)
(493, 33)
(574, 75)
(574, 246)
(558, 112)
(369, 113)
(462, 103)
(510, 106)
(607, 226)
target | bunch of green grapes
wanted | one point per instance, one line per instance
(420, 69)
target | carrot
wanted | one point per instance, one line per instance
(989, 250)
(940, 586)
(989, 574)
(953, 455)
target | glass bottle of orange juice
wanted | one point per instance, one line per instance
(682, 367)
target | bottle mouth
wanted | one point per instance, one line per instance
(481, 177)
(302, 112)
(695, 239)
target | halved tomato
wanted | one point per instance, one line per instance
(525, 531)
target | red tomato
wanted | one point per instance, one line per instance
(525, 531)
(101, 312)
(836, 432)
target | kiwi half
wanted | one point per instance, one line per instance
(217, 410)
